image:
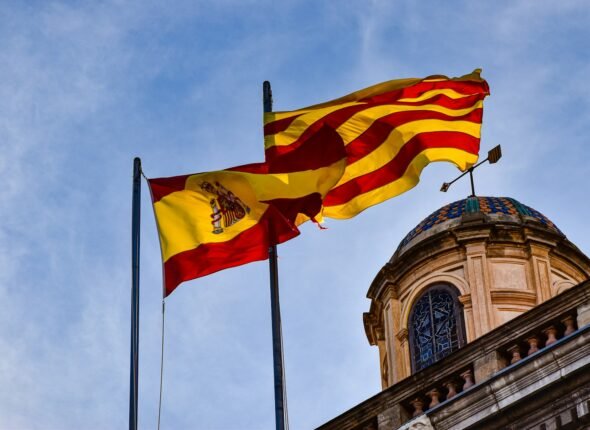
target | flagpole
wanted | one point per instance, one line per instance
(277, 341)
(134, 361)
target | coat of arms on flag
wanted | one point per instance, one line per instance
(227, 208)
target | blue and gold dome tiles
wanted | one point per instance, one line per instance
(505, 208)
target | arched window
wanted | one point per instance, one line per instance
(436, 326)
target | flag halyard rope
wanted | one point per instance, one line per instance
(161, 363)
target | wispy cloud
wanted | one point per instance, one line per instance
(84, 88)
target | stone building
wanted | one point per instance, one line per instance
(481, 318)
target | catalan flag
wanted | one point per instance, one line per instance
(391, 131)
(216, 220)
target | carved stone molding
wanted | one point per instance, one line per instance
(465, 300)
(514, 297)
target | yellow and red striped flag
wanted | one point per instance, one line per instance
(216, 220)
(391, 131)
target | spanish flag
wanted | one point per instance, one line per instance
(216, 220)
(391, 131)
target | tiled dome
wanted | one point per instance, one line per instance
(503, 209)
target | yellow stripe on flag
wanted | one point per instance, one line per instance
(450, 93)
(361, 121)
(185, 217)
(397, 139)
(353, 207)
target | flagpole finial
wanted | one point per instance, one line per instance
(266, 96)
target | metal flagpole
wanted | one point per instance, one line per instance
(135, 222)
(277, 342)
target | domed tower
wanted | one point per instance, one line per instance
(466, 269)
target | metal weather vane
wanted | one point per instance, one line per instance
(494, 155)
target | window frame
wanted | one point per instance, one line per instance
(458, 314)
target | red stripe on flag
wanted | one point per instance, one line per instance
(250, 245)
(440, 100)
(416, 90)
(396, 168)
(319, 149)
(380, 129)
(161, 187)
(309, 205)
(333, 121)
(279, 125)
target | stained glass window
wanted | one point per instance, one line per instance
(436, 326)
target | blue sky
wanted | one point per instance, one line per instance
(87, 86)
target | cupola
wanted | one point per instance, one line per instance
(467, 268)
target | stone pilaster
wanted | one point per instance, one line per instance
(465, 300)
(479, 283)
(541, 272)
(392, 323)
(404, 362)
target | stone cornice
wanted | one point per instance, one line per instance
(514, 297)
(465, 300)
(570, 252)
(370, 323)
(384, 274)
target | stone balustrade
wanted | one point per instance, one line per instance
(448, 386)
(544, 335)
(440, 391)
